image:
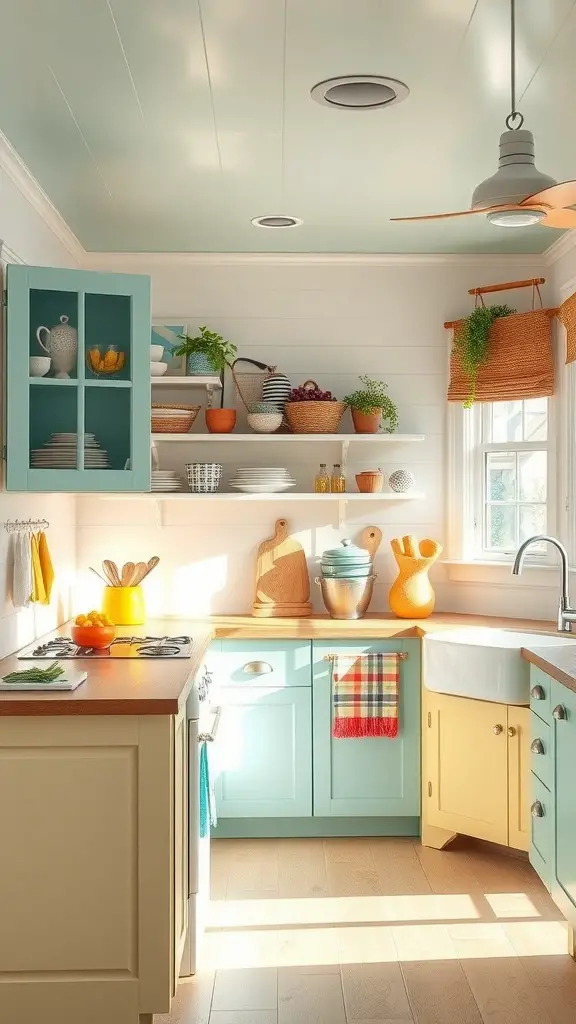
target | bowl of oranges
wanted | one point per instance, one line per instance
(93, 630)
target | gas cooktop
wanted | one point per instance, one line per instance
(122, 647)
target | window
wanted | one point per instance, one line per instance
(502, 473)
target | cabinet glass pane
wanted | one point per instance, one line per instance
(107, 333)
(54, 324)
(108, 418)
(53, 427)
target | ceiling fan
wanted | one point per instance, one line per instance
(518, 195)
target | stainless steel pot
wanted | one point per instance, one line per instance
(346, 598)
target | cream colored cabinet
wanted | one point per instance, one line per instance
(180, 842)
(476, 770)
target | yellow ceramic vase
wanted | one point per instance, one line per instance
(124, 605)
(411, 595)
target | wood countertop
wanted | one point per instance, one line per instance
(117, 686)
(558, 662)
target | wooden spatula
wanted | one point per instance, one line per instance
(370, 539)
(128, 574)
(141, 569)
(151, 565)
(111, 570)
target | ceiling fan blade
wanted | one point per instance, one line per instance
(462, 213)
(560, 219)
(557, 196)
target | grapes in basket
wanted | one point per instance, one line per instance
(310, 394)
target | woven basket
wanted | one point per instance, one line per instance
(249, 384)
(314, 417)
(174, 424)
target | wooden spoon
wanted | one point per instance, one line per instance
(111, 570)
(151, 565)
(370, 539)
(140, 573)
(128, 574)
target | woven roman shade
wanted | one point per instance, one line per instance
(520, 362)
(567, 315)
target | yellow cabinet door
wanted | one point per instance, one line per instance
(466, 766)
(519, 777)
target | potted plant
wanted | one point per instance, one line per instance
(372, 408)
(210, 353)
(471, 342)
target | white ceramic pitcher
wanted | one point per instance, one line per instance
(61, 344)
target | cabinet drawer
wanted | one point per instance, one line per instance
(540, 688)
(541, 825)
(268, 663)
(540, 750)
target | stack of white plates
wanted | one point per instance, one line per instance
(262, 480)
(60, 452)
(166, 480)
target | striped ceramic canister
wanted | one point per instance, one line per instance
(276, 389)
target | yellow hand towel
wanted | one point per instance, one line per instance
(38, 590)
(46, 565)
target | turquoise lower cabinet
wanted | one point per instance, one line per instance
(563, 704)
(366, 777)
(269, 663)
(263, 757)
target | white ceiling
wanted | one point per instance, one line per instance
(166, 125)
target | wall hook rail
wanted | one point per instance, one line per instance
(15, 525)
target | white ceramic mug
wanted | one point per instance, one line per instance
(61, 344)
(39, 365)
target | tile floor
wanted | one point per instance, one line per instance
(360, 931)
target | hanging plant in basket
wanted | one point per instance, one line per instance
(472, 342)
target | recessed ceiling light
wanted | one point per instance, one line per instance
(359, 92)
(276, 221)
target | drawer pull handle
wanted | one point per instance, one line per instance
(537, 693)
(537, 747)
(537, 809)
(559, 713)
(257, 668)
(498, 729)
(511, 730)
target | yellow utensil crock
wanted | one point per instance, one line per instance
(124, 605)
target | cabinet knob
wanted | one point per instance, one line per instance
(560, 712)
(257, 668)
(537, 809)
(537, 747)
(511, 730)
(498, 729)
(537, 693)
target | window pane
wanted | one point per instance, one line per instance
(532, 469)
(535, 419)
(532, 520)
(501, 476)
(501, 527)
(506, 422)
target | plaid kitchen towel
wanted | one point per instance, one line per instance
(365, 695)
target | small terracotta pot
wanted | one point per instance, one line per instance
(220, 421)
(366, 422)
(369, 483)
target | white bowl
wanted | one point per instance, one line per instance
(156, 353)
(265, 422)
(157, 369)
(39, 365)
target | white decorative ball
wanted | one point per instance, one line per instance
(401, 480)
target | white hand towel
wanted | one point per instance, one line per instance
(22, 571)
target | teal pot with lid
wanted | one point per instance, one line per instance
(348, 554)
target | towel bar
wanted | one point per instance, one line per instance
(402, 655)
(209, 737)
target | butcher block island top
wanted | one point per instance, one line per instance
(123, 686)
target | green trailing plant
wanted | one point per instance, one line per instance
(221, 353)
(372, 398)
(472, 342)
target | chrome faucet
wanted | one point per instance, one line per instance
(566, 614)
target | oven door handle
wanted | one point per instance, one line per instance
(209, 737)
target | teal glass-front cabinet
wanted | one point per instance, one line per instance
(78, 380)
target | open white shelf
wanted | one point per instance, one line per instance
(187, 382)
(281, 496)
(283, 438)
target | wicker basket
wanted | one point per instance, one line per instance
(174, 424)
(314, 417)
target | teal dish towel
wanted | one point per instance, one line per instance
(207, 801)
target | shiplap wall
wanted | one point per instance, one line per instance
(331, 320)
(28, 239)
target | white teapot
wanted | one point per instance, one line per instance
(61, 344)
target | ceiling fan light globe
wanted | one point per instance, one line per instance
(516, 177)
(515, 218)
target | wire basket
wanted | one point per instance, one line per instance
(314, 417)
(249, 383)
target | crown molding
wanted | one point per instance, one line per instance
(18, 173)
(99, 260)
(560, 247)
(8, 255)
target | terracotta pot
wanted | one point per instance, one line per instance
(220, 421)
(366, 422)
(370, 483)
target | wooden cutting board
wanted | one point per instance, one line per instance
(370, 539)
(282, 581)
